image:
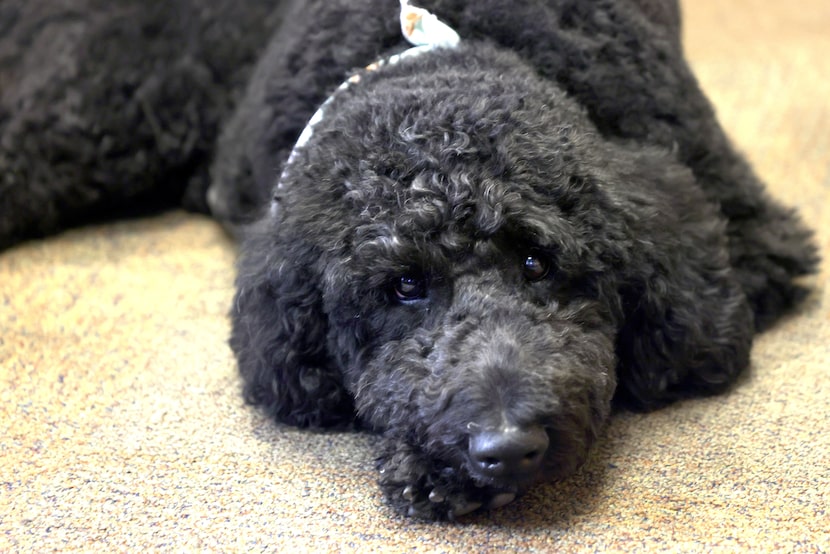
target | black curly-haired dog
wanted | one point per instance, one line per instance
(475, 254)
(479, 248)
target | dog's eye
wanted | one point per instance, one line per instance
(534, 267)
(410, 287)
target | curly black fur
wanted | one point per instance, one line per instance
(486, 245)
(112, 107)
(568, 133)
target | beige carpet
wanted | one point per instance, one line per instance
(122, 429)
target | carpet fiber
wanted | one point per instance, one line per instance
(122, 427)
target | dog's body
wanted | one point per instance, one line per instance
(109, 108)
(481, 247)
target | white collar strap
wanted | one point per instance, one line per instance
(421, 29)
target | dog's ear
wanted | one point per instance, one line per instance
(279, 335)
(685, 327)
(682, 336)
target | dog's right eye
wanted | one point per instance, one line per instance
(534, 267)
(409, 288)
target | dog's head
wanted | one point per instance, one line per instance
(458, 258)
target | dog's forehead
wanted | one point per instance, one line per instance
(445, 159)
(460, 202)
(437, 217)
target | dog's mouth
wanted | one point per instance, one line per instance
(472, 494)
(448, 472)
(497, 467)
(476, 497)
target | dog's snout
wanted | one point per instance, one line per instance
(509, 452)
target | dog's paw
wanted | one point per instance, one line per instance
(415, 487)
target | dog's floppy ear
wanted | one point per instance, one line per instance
(686, 326)
(279, 335)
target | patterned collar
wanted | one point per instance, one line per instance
(421, 28)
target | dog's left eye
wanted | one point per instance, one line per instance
(534, 268)
(409, 288)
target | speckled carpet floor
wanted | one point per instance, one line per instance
(122, 428)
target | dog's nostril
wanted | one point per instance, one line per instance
(509, 452)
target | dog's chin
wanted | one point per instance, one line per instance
(486, 493)
(477, 493)
(500, 492)
(460, 489)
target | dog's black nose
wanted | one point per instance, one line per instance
(509, 452)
